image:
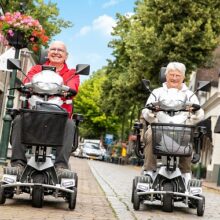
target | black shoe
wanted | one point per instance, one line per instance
(64, 173)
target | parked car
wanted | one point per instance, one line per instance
(78, 151)
(92, 151)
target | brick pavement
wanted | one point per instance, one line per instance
(91, 201)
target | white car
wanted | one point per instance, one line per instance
(92, 151)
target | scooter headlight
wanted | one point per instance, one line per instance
(67, 182)
(9, 178)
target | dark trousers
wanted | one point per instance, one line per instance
(62, 153)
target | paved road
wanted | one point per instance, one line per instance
(91, 202)
(116, 181)
(103, 194)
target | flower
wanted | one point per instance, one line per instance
(34, 34)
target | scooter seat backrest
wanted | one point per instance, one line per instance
(162, 76)
(43, 56)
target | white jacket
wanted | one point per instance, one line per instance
(169, 95)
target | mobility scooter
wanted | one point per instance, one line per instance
(43, 122)
(170, 141)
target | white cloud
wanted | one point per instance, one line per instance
(84, 30)
(110, 3)
(104, 24)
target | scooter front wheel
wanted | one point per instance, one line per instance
(37, 196)
(2, 195)
(136, 204)
(134, 185)
(72, 200)
(167, 199)
(201, 206)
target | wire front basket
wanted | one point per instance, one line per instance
(172, 139)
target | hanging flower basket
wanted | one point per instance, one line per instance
(21, 30)
(18, 40)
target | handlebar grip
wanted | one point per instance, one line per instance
(73, 92)
(151, 107)
(196, 107)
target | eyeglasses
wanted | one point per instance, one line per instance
(59, 50)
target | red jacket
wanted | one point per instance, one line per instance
(66, 74)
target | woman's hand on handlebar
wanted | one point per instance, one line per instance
(153, 107)
(193, 107)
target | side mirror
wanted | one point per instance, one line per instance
(13, 64)
(146, 84)
(82, 69)
(203, 85)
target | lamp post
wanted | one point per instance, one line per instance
(7, 119)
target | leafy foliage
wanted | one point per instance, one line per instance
(47, 14)
(160, 31)
(87, 102)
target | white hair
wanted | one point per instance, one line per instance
(58, 42)
(176, 66)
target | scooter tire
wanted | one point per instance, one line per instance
(75, 139)
(201, 206)
(75, 176)
(2, 195)
(136, 203)
(167, 199)
(134, 185)
(37, 196)
(72, 200)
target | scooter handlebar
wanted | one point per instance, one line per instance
(155, 107)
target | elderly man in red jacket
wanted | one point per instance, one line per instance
(57, 55)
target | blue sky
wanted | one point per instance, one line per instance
(92, 21)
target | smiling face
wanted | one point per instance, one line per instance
(174, 79)
(57, 53)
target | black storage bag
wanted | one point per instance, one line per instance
(43, 127)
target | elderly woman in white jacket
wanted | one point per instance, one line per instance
(173, 89)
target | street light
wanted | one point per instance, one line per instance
(7, 119)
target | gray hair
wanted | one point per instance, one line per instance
(176, 66)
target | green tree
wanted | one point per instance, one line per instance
(165, 30)
(87, 102)
(159, 31)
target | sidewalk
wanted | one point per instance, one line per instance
(92, 203)
(211, 185)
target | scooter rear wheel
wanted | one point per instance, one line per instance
(37, 196)
(2, 195)
(167, 199)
